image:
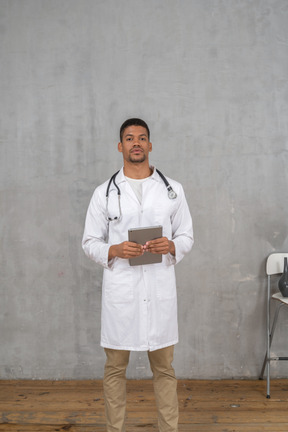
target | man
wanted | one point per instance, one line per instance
(139, 303)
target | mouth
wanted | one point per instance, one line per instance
(137, 151)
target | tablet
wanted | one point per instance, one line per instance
(141, 236)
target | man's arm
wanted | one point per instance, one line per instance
(94, 240)
(182, 234)
(182, 228)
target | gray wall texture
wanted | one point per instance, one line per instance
(211, 79)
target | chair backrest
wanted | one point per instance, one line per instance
(275, 263)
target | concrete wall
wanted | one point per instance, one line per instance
(211, 79)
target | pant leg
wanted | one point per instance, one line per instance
(165, 388)
(114, 384)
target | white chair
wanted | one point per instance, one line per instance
(274, 266)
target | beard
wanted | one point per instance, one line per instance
(135, 159)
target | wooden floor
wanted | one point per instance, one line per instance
(205, 406)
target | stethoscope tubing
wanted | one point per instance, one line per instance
(171, 193)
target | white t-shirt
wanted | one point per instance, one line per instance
(136, 185)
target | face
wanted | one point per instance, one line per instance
(135, 144)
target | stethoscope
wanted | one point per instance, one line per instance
(171, 194)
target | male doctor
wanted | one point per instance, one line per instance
(139, 303)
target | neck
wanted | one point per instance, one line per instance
(137, 171)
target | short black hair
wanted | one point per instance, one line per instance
(134, 122)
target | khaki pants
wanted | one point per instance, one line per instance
(165, 388)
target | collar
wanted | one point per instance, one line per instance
(120, 178)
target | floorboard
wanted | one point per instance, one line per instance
(204, 406)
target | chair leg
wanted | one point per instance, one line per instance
(261, 376)
(267, 358)
(268, 380)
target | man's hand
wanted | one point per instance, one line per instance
(125, 250)
(160, 246)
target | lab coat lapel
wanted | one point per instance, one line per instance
(127, 189)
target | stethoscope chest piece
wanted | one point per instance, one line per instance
(172, 194)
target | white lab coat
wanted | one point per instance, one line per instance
(139, 303)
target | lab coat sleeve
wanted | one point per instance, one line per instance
(182, 229)
(95, 235)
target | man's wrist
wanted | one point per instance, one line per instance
(172, 250)
(112, 252)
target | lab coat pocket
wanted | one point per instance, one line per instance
(161, 213)
(162, 217)
(166, 283)
(118, 285)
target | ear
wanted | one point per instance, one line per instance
(120, 147)
(150, 147)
